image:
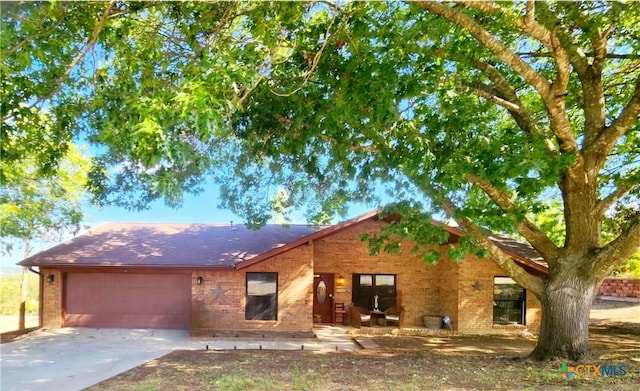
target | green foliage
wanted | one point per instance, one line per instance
(474, 109)
(35, 206)
(10, 294)
(551, 220)
(38, 108)
(615, 222)
(630, 268)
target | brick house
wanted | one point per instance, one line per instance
(219, 277)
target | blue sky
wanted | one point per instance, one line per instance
(196, 209)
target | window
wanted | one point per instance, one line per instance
(508, 301)
(367, 286)
(262, 296)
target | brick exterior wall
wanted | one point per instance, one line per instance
(475, 295)
(51, 302)
(219, 303)
(422, 289)
(447, 288)
(620, 287)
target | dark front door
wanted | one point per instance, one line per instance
(323, 298)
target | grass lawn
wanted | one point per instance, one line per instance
(399, 363)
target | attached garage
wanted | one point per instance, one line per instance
(131, 300)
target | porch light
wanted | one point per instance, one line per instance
(341, 280)
(199, 280)
(50, 278)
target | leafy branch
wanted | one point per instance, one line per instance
(530, 282)
(92, 41)
(534, 235)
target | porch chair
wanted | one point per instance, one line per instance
(359, 316)
(394, 315)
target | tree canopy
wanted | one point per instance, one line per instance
(37, 207)
(484, 110)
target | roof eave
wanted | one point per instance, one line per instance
(517, 258)
(132, 266)
(309, 238)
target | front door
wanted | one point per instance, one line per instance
(323, 298)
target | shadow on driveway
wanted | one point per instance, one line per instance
(76, 358)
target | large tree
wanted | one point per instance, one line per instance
(486, 111)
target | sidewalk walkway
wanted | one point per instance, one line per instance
(327, 338)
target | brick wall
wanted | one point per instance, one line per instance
(423, 289)
(51, 299)
(417, 284)
(219, 302)
(475, 292)
(620, 287)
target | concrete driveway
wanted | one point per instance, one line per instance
(75, 358)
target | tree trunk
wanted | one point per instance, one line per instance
(564, 325)
(23, 287)
(23, 299)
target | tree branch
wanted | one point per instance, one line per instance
(89, 45)
(526, 228)
(605, 203)
(28, 39)
(313, 63)
(530, 16)
(598, 151)
(484, 91)
(144, 6)
(592, 87)
(495, 46)
(618, 250)
(526, 280)
(619, 56)
(576, 56)
(247, 92)
(552, 94)
(76, 60)
(521, 116)
(529, 25)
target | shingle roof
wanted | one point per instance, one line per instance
(213, 245)
(170, 245)
(521, 252)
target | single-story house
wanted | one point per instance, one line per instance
(204, 277)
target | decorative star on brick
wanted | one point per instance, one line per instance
(218, 292)
(477, 286)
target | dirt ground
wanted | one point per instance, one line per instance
(401, 363)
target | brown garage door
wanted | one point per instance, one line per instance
(160, 301)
